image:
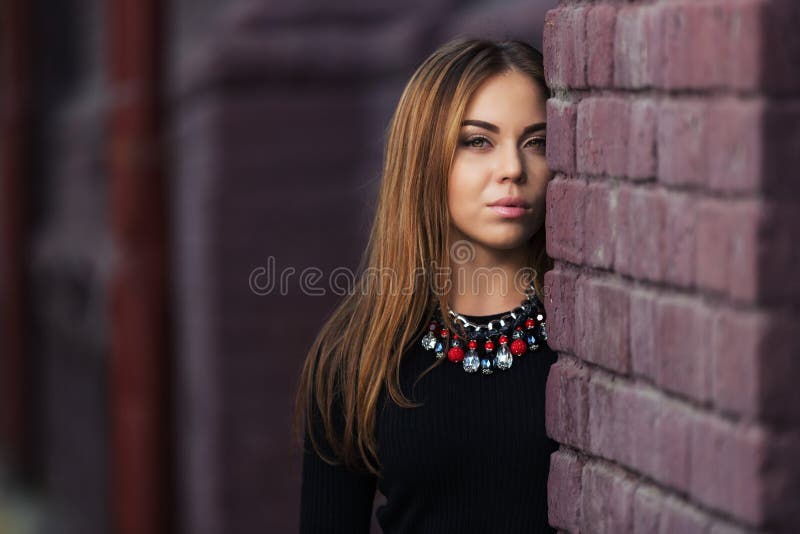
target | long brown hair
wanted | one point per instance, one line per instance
(358, 349)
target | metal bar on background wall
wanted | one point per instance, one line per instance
(14, 132)
(141, 484)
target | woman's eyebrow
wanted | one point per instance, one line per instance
(493, 128)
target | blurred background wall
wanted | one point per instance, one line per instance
(155, 155)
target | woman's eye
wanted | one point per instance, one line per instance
(538, 143)
(475, 142)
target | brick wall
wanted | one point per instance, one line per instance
(675, 134)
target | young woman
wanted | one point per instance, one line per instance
(427, 382)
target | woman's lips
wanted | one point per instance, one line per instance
(510, 212)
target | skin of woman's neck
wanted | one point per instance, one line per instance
(494, 290)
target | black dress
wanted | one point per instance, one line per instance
(473, 458)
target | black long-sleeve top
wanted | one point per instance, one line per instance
(473, 458)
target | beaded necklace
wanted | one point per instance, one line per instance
(524, 325)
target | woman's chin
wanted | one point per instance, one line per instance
(508, 242)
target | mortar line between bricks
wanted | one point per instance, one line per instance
(711, 299)
(646, 386)
(640, 479)
(700, 192)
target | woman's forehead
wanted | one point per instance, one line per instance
(507, 98)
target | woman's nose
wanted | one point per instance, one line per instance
(510, 165)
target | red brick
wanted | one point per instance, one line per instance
(640, 219)
(677, 516)
(731, 243)
(745, 71)
(600, 45)
(600, 222)
(643, 328)
(561, 120)
(566, 406)
(642, 140)
(607, 504)
(713, 244)
(680, 23)
(564, 47)
(708, 44)
(673, 433)
(646, 508)
(551, 37)
(754, 367)
(602, 135)
(601, 326)
(749, 239)
(677, 243)
(634, 36)
(640, 433)
(611, 405)
(566, 204)
(750, 144)
(683, 342)
(737, 361)
(734, 143)
(564, 490)
(559, 303)
(727, 467)
(682, 154)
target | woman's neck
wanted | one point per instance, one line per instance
(492, 281)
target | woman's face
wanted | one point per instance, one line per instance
(496, 188)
